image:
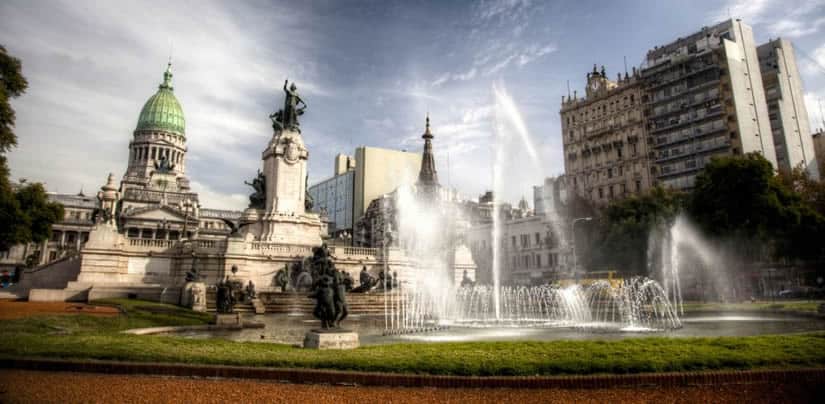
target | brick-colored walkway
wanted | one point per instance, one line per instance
(19, 386)
(12, 310)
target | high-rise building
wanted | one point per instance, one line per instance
(818, 139)
(605, 138)
(786, 107)
(705, 98)
(333, 196)
(359, 180)
(380, 171)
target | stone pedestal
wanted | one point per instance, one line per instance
(337, 339)
(194, 296)
(229, 320)
(259, 306)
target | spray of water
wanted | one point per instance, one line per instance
(430, 297)
(508, 119)
(679, 251)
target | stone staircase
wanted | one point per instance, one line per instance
(299, 303)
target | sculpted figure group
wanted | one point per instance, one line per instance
(329, 289)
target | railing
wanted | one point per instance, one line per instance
(151, 244)
(156, 196)
(280, 248)
(211, 244)
(360, 251)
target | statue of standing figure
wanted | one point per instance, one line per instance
(294, 106)
(225, 297)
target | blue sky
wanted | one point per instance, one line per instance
(369, 71)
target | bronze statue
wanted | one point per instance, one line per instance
(163, 165)
(466, 282)
(367, 282)
(225, 297)
(308, 201)
(250, 291)
(329, 291)
(257, 200)
(282, 278)
(287, 117)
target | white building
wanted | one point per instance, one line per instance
(786, 107)
(705, 98)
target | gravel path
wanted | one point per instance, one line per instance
(18, 386)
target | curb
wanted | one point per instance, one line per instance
(317, 376)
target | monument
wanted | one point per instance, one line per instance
(277, 211)
(329, 292)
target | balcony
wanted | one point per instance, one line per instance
(689, 90)
(713, 112)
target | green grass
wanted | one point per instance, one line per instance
(791, 306)
(86, 337)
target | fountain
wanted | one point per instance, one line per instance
(430, 299)
(677, 251)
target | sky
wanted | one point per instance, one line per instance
(370, 72)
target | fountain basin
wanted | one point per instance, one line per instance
(285, 329)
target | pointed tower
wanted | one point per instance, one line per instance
(428, 177)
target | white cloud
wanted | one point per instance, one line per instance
(750, 11)
(212, 199)
(796, 27)
(91, 65)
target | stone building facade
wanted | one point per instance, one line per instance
(605, 138)
(711, 93)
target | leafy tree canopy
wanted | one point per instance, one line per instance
(26, 214)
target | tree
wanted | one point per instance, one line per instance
(625, 227)
(26, 214)
(739, 198)
(12, 85)
(810, 190)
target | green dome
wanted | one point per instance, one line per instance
(162, 111)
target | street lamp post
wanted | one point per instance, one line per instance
(573, 239)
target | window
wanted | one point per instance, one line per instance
(538, 239)
(538, 261)
(514, 241)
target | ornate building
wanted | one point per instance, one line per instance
(152, 206)
(605, 139)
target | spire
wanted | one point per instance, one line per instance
(427, 134)
(167, 76)
(428, 177)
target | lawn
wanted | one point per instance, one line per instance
(90, 337)
(799, 306)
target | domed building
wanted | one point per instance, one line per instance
(156, 201)
(159, 141)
